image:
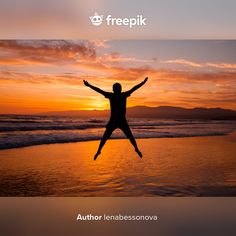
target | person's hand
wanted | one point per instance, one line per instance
(86, 83)
(145, 80)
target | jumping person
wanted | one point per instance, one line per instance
(118, 111)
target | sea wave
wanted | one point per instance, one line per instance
(23, 131)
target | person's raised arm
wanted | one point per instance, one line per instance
(86, 83)
(137, 86)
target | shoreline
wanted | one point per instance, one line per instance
(122, 138)
(194, 166)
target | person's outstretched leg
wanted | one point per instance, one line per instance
(106, 136)
(125, 128)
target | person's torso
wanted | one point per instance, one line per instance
(118, 106)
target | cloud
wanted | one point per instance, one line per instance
(78, 54)
(36, 78)
(43, 52)
(223, 80)
(26, 52)
(116, 57)
(184, 62)
(99, 43)
(222, 65)
(165, 86)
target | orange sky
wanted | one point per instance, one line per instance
(41, 76)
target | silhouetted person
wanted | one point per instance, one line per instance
(118, 111)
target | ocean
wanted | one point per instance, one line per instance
(26, 130)
(184, 166)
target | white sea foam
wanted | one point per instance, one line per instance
(22, 131)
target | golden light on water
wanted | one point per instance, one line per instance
(69, 169)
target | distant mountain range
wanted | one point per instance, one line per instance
(161, 112)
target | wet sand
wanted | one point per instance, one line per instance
(197, 166)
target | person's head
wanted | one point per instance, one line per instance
(117, 88)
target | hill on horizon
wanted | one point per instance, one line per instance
(161, 112)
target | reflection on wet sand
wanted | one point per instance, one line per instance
(200, 166)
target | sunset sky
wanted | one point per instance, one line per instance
(41, 76)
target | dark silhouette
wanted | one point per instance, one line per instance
(118, 111)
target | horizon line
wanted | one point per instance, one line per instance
(102, 110)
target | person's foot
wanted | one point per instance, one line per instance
(96, 155)
(139, 153)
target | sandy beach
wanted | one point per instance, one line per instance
(194, 166)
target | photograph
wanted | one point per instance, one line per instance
(117, 118)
